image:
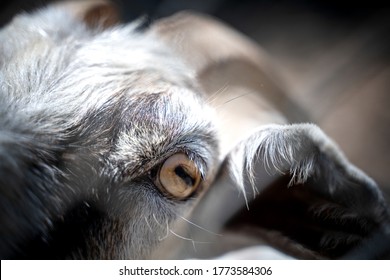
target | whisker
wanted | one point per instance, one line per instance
(184, 238)
(189, 239)
(168, 231)
(154, 217)
(236, 97)
(232, 99)
(147, 223)
(167, 228)
(181, 237)
(215, 94)
(200, 227)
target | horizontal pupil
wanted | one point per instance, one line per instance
(187, 179)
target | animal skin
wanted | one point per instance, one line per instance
(115, 145)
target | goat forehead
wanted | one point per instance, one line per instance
(66, 48)
(154, 125)
(91, 71)
(87, 63)
(119, 70)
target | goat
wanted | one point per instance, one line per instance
(112, 146)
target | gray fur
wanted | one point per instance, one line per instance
(85, 123)
(86, 115)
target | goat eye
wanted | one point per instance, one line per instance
(178, 177)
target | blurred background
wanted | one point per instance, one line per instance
(333, 55)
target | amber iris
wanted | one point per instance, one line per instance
(178, 176)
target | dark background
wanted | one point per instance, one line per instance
(333, 55)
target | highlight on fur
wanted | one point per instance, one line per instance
(89, 114)
(83, 129)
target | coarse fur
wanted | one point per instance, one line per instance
(86, 117)
(82, 125)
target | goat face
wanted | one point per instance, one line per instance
(101, 147)
(107, 143)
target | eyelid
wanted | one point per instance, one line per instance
(199, 162)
